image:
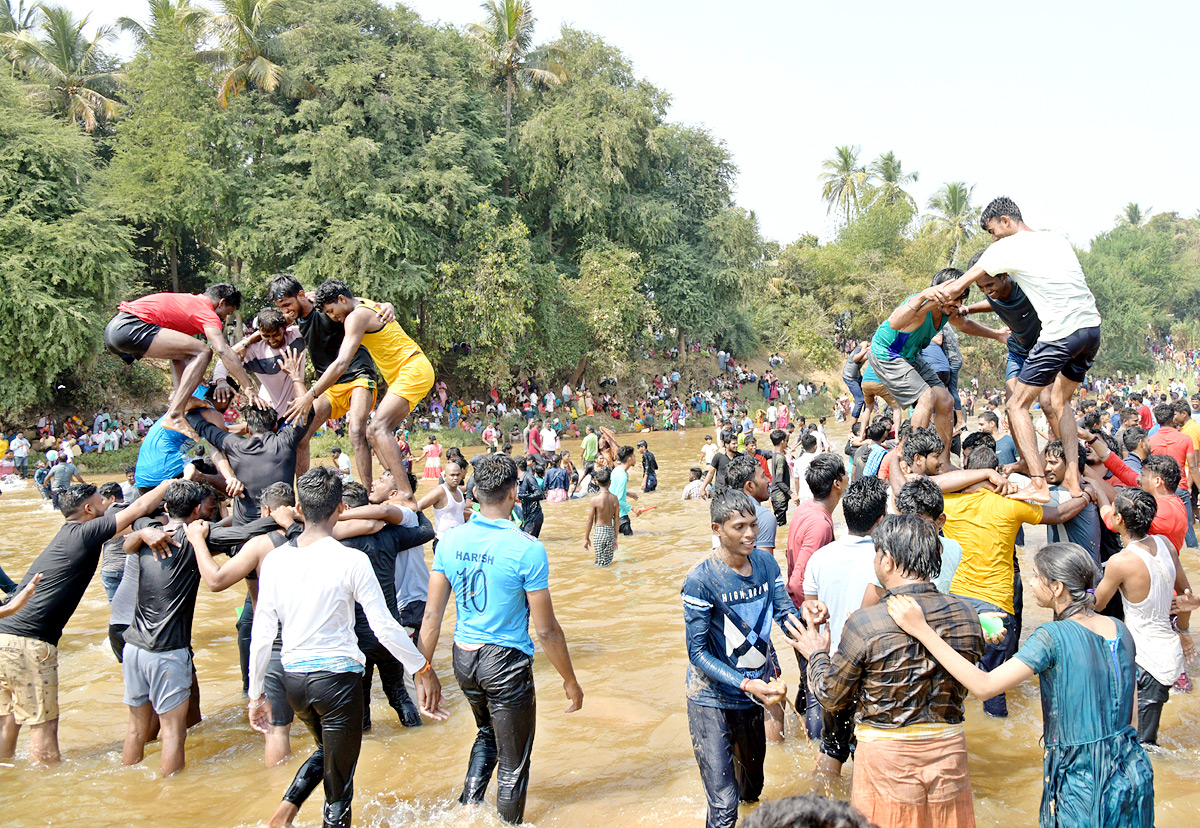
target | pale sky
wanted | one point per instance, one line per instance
(1072, 109)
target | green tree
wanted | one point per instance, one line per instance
(1133, 215)
(888, 179)
(63, 264)
(953, 219)
(252, 42)
(843, 180)
(63, 68)
(166, 17)
(16, 17)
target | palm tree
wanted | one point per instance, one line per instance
(953, 217)
(179, 15)
(889, 172)
(506, 37)
(62, 66)
(843, 180)
(1133, 215)
(251, 45)
(17, 18)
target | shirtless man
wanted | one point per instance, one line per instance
(400, 361)
(162, 326)
(350, 391)
(1047, 269)
(603, 521)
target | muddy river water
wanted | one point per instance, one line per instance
(624, 760)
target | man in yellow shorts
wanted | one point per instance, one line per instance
(347, 382)
(401, 363)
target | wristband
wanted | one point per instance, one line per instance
(1184, 631)
(745, 681)
(261, 702)
(428, 666)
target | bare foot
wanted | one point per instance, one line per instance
(1032, 493)
(283, 816)
(177, 422)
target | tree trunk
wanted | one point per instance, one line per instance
(577, 374)
(173, 255)
(508, 96)
(682, 343)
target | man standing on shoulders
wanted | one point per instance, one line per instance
(500, 578)
(911, 759)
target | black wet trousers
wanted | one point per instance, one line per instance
(391, 676)
(498, 684)
(330, 705)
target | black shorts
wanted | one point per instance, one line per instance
(625, 527)
(1072, 356)
(129, 337)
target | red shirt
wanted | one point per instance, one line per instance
(534, 444)
(1145, 418)
(187, 313)
(1173, 443)
(811, 528)
(1170, 520)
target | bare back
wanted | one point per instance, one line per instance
(605, 507)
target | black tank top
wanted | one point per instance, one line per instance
(323, 337)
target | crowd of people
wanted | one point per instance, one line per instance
(893, 621)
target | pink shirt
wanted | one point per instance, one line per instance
(811, 528)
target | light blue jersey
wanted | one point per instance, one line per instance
(491, 564)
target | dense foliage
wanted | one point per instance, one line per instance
(528, 209)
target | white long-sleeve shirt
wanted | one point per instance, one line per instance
(311, 590)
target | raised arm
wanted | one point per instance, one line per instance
(234, 570)
(144, 506)
(229, 358)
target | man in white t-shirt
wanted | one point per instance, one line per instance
(1046, 268)
(841, 575)
(709, 450)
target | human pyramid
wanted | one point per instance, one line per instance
(892, 625)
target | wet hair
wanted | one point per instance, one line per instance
(227, 292)
(1164, 414)
(1137, 508)
(495, 475)
(624, 453)
(1166, 468)
(642, 444)
(278, 494)
(824, 470)
(979, 439)
(1055, 449)
(283, 286)
(603, 476)
(355, 494)
(695, 473)
(731, 502)
(741, 471)
(260, 419)
(1072, 566)
(271, 318)
(70, 501)
(183, 496)
(983, 458)
(329, 291)
(808, 811)
(878, 429)
(112, 490)
(949, 274)
(921, 497)
(990, 416)
(921, 442)
(808, 442)
(998, 207)
(778, 436)
(864, 503)
(319, 490)
(912, 542)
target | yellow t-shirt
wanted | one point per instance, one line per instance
(390, 347)
(1192, 429)
(986, 525)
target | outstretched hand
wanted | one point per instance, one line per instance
(1185, 603)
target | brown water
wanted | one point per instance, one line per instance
(624, 760)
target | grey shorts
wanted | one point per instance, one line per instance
(162, 679)
(281, 711)
(906, 381)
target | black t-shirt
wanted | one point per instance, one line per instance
(381, 550)
(324, 338)
(649, 464)
(258, 460)
(67, 566)
(166, 601)
(720, 462)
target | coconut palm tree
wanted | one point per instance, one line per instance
(843, 180)
(251, 43)
(953, 217)
(179, 15)
(892, 179)
(15, 17)
(506, 36)
(1133, 215)
(63, 68)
